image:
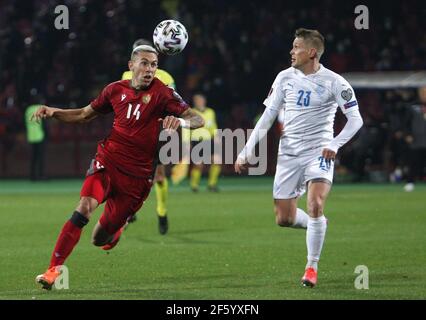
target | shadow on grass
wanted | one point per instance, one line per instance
(184, 237)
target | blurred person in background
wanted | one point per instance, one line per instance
(36, 137)
(205, 135)
(416, 139)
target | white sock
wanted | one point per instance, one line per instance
(301, 220)
(314, 240)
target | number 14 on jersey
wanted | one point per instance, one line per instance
(136, 112)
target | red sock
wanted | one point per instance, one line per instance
(67, 240)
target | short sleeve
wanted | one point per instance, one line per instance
(345, 95)
(102, 103)
(275, 98)
(174, 104)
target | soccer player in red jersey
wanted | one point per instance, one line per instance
(122, 171)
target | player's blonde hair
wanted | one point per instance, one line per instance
(313, 37)
(142, 48)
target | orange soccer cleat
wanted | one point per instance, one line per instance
(114, 240)
(48, 278)
(309, 278)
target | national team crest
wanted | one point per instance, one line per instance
(320, 89)
(146, 98)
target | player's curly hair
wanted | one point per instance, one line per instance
(314, 37)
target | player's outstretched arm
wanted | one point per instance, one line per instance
(192, 119)
(66, 115)
(351, 127)
(260, 130)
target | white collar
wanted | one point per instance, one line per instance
(300, 73)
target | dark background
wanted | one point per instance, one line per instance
(235, 50)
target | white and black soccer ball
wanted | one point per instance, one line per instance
(170, 37)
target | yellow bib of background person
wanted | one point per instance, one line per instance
(160, 74)
(35, 132)
(209, 130)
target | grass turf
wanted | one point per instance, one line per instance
(219, 246)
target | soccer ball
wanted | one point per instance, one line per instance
(170, 37)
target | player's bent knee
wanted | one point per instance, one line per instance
(100, 237)
(283, 218)
(283, 221)
(101, 241)
(316, 205)
(97, 242)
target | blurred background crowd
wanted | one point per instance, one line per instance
(235, 50)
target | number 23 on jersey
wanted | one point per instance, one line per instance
(304, 98)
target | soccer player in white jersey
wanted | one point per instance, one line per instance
(309, 93)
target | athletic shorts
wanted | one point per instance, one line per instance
(294, 172)
(124, 194)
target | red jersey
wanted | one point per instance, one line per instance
(132, 144)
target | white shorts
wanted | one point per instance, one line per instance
(293, 173)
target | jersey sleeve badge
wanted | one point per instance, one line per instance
(347, 94)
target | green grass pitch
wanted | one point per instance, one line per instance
(219, 246)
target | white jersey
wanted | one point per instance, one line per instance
(309, 103)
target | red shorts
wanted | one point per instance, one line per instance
(124, 194)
